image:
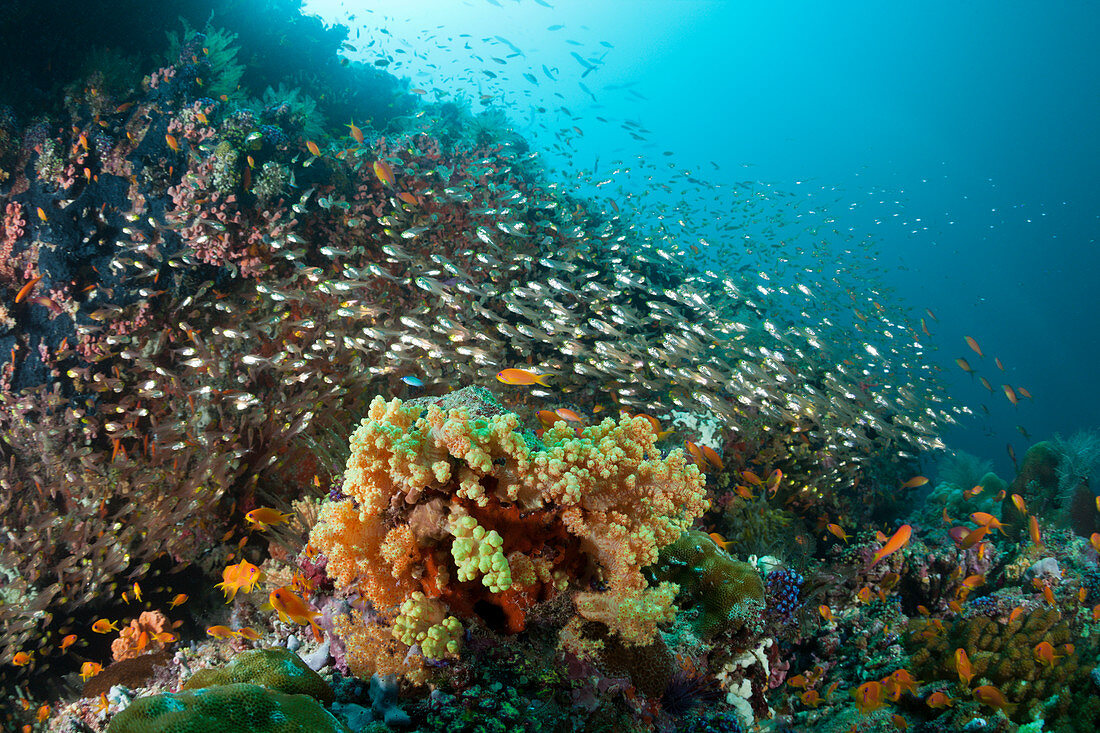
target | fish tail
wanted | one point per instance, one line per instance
(541, 380)
(316, 631)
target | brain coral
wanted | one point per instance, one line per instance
(447, 497)
(276, 669)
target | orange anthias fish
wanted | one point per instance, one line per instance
(755, 480)
(179, 599)
(938, 700)
(895, 543)
(826, 613)
(173, 143)
(774, 479)
(869, 697)
(962, 666)
(994, 698)
(837, 531)
(89, 670)
(1018, 501)
(811, 698)
(973, 538)
(265, 517)
(1010, 394)
(521, 377)
(900, 681)
(712, 457)
(220, 632)
(291, 608)
(1024, 393)
(1094, 540)
(720, 540)
(384, 172)
(1044, 654)
(312, 148)
(566, 414)
(408, 198)
(1033, 529)
(548, 418)
(356, 133)
(103, 626)
(985, 519)
(235, 577)
(21, 659)
(914, 482)
(27, 288)
(68, 641)
(974, 346)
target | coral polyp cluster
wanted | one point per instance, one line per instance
(449, 505)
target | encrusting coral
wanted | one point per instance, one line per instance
(447, 503)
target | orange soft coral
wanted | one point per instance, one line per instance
(142, 635)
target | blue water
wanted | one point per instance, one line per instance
(957, 140)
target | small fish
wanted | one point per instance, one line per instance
(265, 517)
(895, 543)
(1021, 506)
(974, 346)
(42, 214)
(21, 659)
(1044, 654)
(312, 148)
(566, 414)
(997, 361)
(986, 519)
(696, 454)
(412, 381)
(973, 537)
(1048, 596)
(166, 637)
(356, 133)
(27, 287)
(1024, 393)
(774, 479)
(964, 365)
(173, 143)
(720, 541)
(137, 592)
(1094, 540)
(869, 697)
(899, 722)
(408, 198)
(837, 531)
(103, 626)
(1033, 530)
(915, 482)
(826, 613)
(973, 581)
(962, 666)
(291, 607)
(751, 478)
(89, 670)
(521, 377)
(994, 698)
(938, 700)
(67, 642)
(384, 172)
(43, 714)
(712, 457)
(220, 632)
(248, 633)
(178, 600)
(235, 577)
(201, 117)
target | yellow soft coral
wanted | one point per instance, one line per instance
(423, 621)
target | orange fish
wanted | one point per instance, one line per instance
(137, 592)
(985, 519)
(974, 581)
(696, 454)
(384, 172)
(1033, 529)
(166, 637)
(962, 666)
(521, 377)
(356, 133)
(964, 365)
(914, 482)
(923, 610)
(798, 681)
(547, 418)
(1044, 654)
(1048, 595)
(837, 531)
(566, 414)
(1094, 540)
(899, 722)
(89, 670)
(292, 608)
(901, 681)
(21, 659)
(179, 599)
(712, 457)
(43, 714)
(220, 632)
(234, 577)
(811, 698)
(68, 641)
(1010, 394)
(1024, 393)
(974, 346)
(103, 626)
(985, 383)
(408, 198)
(248, 633)
(172, 142)
(265, 517)
(312, 148)
(1020, 505)
(755, 480)
(869, 697)
(865, 595)
(773, 481)
(1096, 612)
(27, 288)
(973, 538)
(938, 701)
(41, 214)
(955, 607)
(826, 613)
(719, 540)
(994, 698)
(895, 543)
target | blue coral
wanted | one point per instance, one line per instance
(783, 589)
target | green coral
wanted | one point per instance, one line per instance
(224, 72)
(276, 669)
(729, 595)
(477, 552)
(227, 173)
(421, 621)
(234, 708)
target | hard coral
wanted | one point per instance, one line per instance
(503, 523)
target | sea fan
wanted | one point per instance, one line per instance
(1079, 456)
(963, 469)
